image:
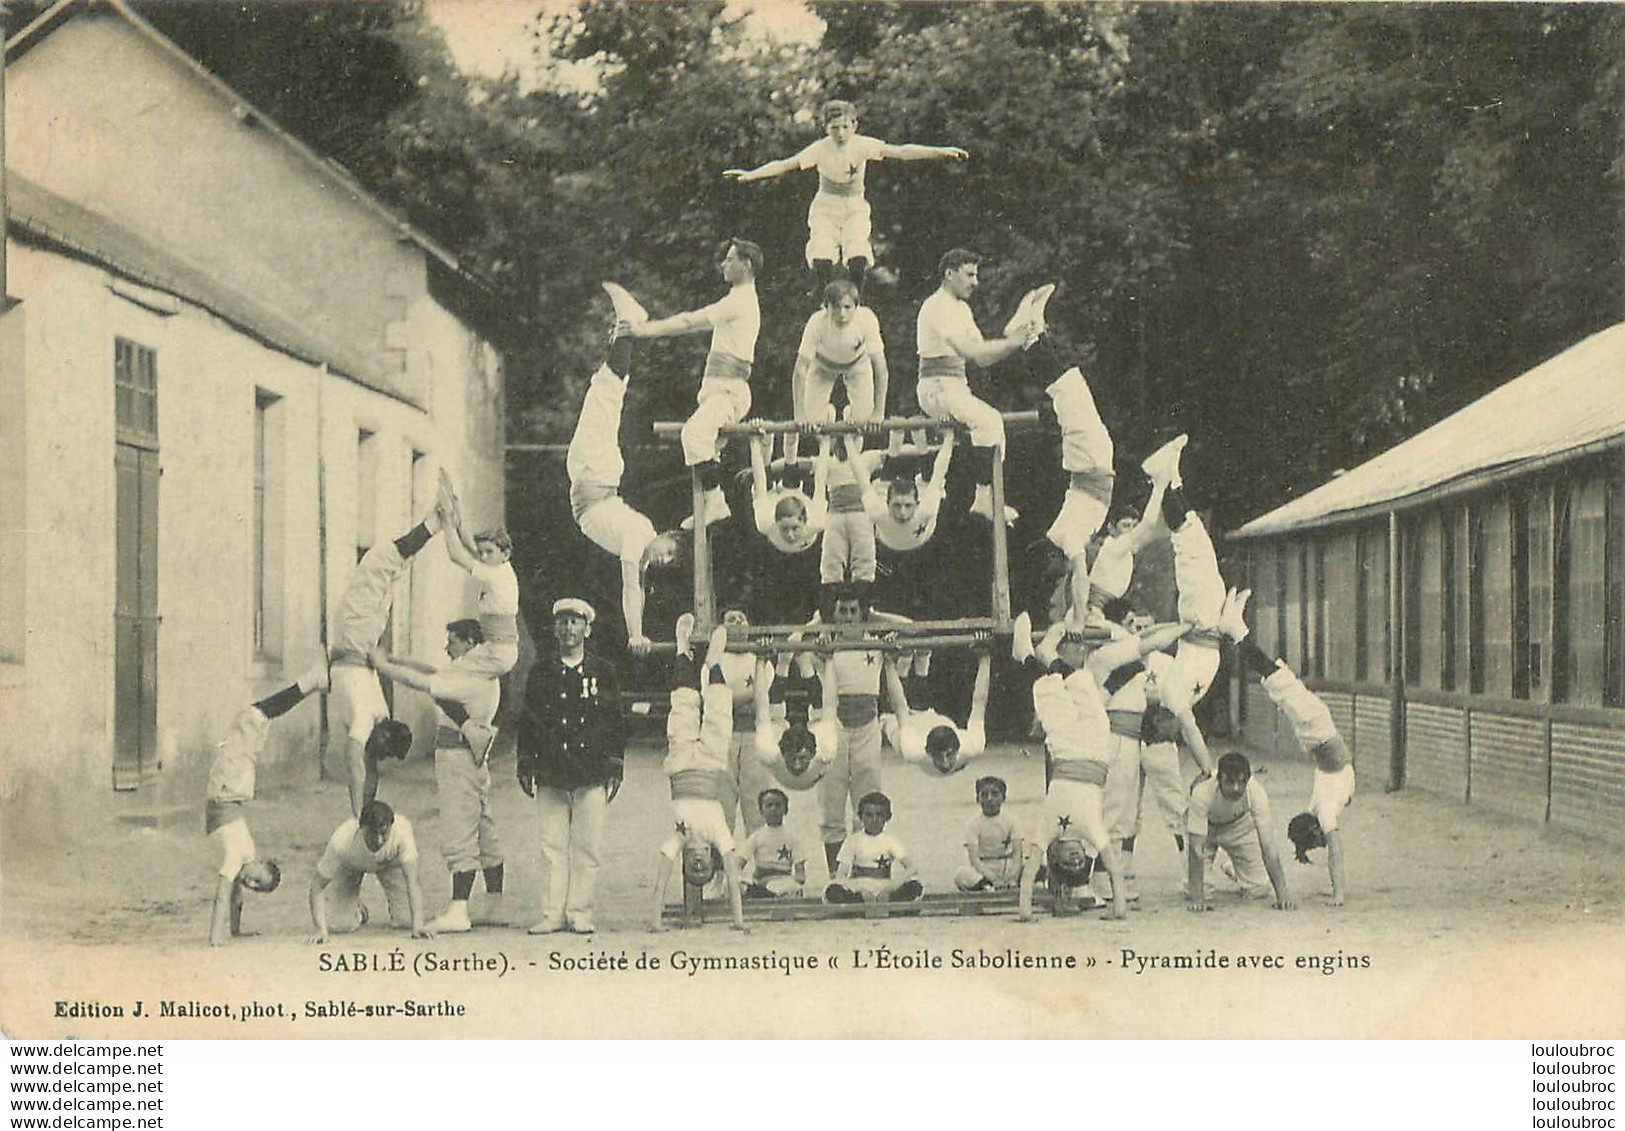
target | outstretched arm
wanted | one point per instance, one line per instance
(945, 455)
(1272, 865)
(632, 607)
(392, 669)
(459, 543)
(831, 691)
(658, 906)
(225, 896)
(910, 152)
(818, 508)
(1191, 735)
(979, 690)
(1334, 862)
(894, 689)
(882, 372)
(1160, 636)
(318, 907)
(363, 776)
(758, 468)
(736, 904)
(860, 460)
(1029, 875)
(986, 352)
(764, 681)
(765, 170)
(1195, 873)
(414, 901)
(688, 322)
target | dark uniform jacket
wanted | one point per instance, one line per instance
(572, 732)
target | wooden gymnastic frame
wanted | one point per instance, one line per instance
(704, 587)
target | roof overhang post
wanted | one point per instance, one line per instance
(1396, 658)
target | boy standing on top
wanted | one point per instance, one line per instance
(838, 222)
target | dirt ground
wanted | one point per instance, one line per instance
(1459, 923)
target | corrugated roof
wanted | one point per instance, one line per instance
(55, 222)
(1563, 408)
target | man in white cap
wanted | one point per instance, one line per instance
(467, 703)
(572, 746)
(947, 337)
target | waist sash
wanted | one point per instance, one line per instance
(721, 366)
(696, 785)
(828, 187)
(846, 498)
(1096, 484)
(499, 628)
(1126, 723)
(1087, 771)
(950, 366)
(585, 496)
(857, 710)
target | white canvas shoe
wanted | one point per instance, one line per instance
(1162, 465)
(627, 308)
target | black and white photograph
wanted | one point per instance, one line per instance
(812, 519)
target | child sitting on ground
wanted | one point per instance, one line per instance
(873, 866)
(774, 863)
(992, 844)
(698, 732)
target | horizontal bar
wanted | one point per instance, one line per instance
(824, 646)
(669, 429)
(904, 628)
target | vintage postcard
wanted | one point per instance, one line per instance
(811, 520)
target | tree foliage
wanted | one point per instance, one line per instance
(1298, 232)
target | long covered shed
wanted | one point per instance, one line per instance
(1459, 600)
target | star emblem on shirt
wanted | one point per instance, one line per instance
(784, 853)
(871, 658)
(1065, 821)
(682, 829)
(919, 531)
(883, 860)
(852, 170)
(1007, 840)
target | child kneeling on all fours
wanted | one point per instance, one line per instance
(699, 730)
(992, 844)
(873, 866)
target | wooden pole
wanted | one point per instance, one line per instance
(704, 603)
(1001, 548)
(1396, 658)
(855, 644)
(671, 429)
